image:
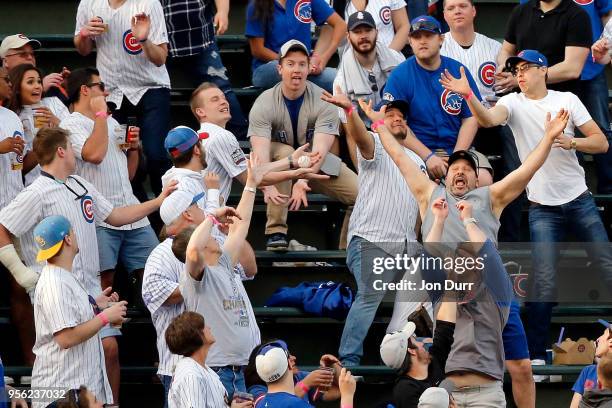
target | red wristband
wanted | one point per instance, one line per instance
(346, 406)
(101, 114)
(376, 124)
(84, 33)
(348, 111)
(103, 318)
(214, 219)
(468, 96)
(303, 386)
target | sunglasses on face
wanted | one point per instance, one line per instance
(515, 71)
(98, 84)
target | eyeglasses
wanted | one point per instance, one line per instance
(515, 71)
(99, 84)
(425, 26)
(22, 54)
(372, 79)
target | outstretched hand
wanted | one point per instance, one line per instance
(556, 126)
(370, 112)
(339, 98)
(459, 85)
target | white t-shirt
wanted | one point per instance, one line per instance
(110, 177)
(381, 12)
(10, 163)
(221, 298)
(224, 156)
(561, 178)
(480, 59)
(61, 302)
(120, 58)
(195, 386)
(58, 109)
(161, 277)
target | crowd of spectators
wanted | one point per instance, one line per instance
(419, 112)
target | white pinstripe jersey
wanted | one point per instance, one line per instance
(61, 302)
(161, 277)
(110, 177)
(45, 197)
(120, 59)
(221, 298)
(194, 386)
(223, 156)
(385, 209)
(191, 182)
(27, 119)
(12, 183)
(381, 11)
(480, 59)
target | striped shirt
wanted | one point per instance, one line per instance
(26, 115)
(161, 277)
(480, 59)
(190, 26)
(221, 298)
(12, 183)
(385, 209)
(122, 63)
(45, 197)
(110, 177)
(224, 156)
(194, 386)
(61, 302)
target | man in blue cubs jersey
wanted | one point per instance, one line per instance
(440, 120)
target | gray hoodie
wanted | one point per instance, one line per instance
(596, 398)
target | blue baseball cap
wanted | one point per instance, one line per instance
(425, 23)
(531, 56)
(49, 235)
(182, 138)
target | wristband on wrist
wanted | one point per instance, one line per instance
(348, 111)
(251, 189)
(84, 33)
(303, 386)
(468, 96)
(103, 318)
(213, 219)
(346, 406)
(429, 156)
(143, 41)
(376, 124)
(290, 158)
(101, 114)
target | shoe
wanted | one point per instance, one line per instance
(25, 380)
(537, 377)
(277, 242)
(294, 245)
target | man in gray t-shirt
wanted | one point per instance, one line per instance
(284, 118)
(210, 287)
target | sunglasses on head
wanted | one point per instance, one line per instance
(424, 25)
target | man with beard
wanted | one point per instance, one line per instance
(385, 211)
(488, 203)
(286, 117)
(440, 120)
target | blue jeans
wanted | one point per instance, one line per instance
(548, 226)
(153, 117)
(133, 247)
(266, 76)
(594, 95)
(208, 67)
(166, 381)
(364, 306)
(232, 379)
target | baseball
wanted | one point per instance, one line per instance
(304, 161)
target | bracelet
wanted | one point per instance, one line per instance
(468, 96)
(84, 33)
(376, 124)
(251, 189)
(573, 144)
(143, 41)
(213, 219)
(303, 386)
(346, 406)
(429, 156)
(470, 220)
(348, 111)
(101, 114)
(103, 318)
(290, 158)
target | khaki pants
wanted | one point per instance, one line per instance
(342, 188)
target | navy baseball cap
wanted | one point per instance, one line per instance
(182, 138)
(425, 23)
(463, 155)
(49, 235)
(531, 56)
(360, 18)
(399, 104)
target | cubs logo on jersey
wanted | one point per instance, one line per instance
(131, 44)
(303, 11)
(87, 208)
(486, 73)
(583, 2)
(451, 102)
(385, 15)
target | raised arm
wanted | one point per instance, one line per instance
(76, 335)
(420, 185)
(132, 213)
(485, 117)
(141, 28)
(507, 189)
(95, 147)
